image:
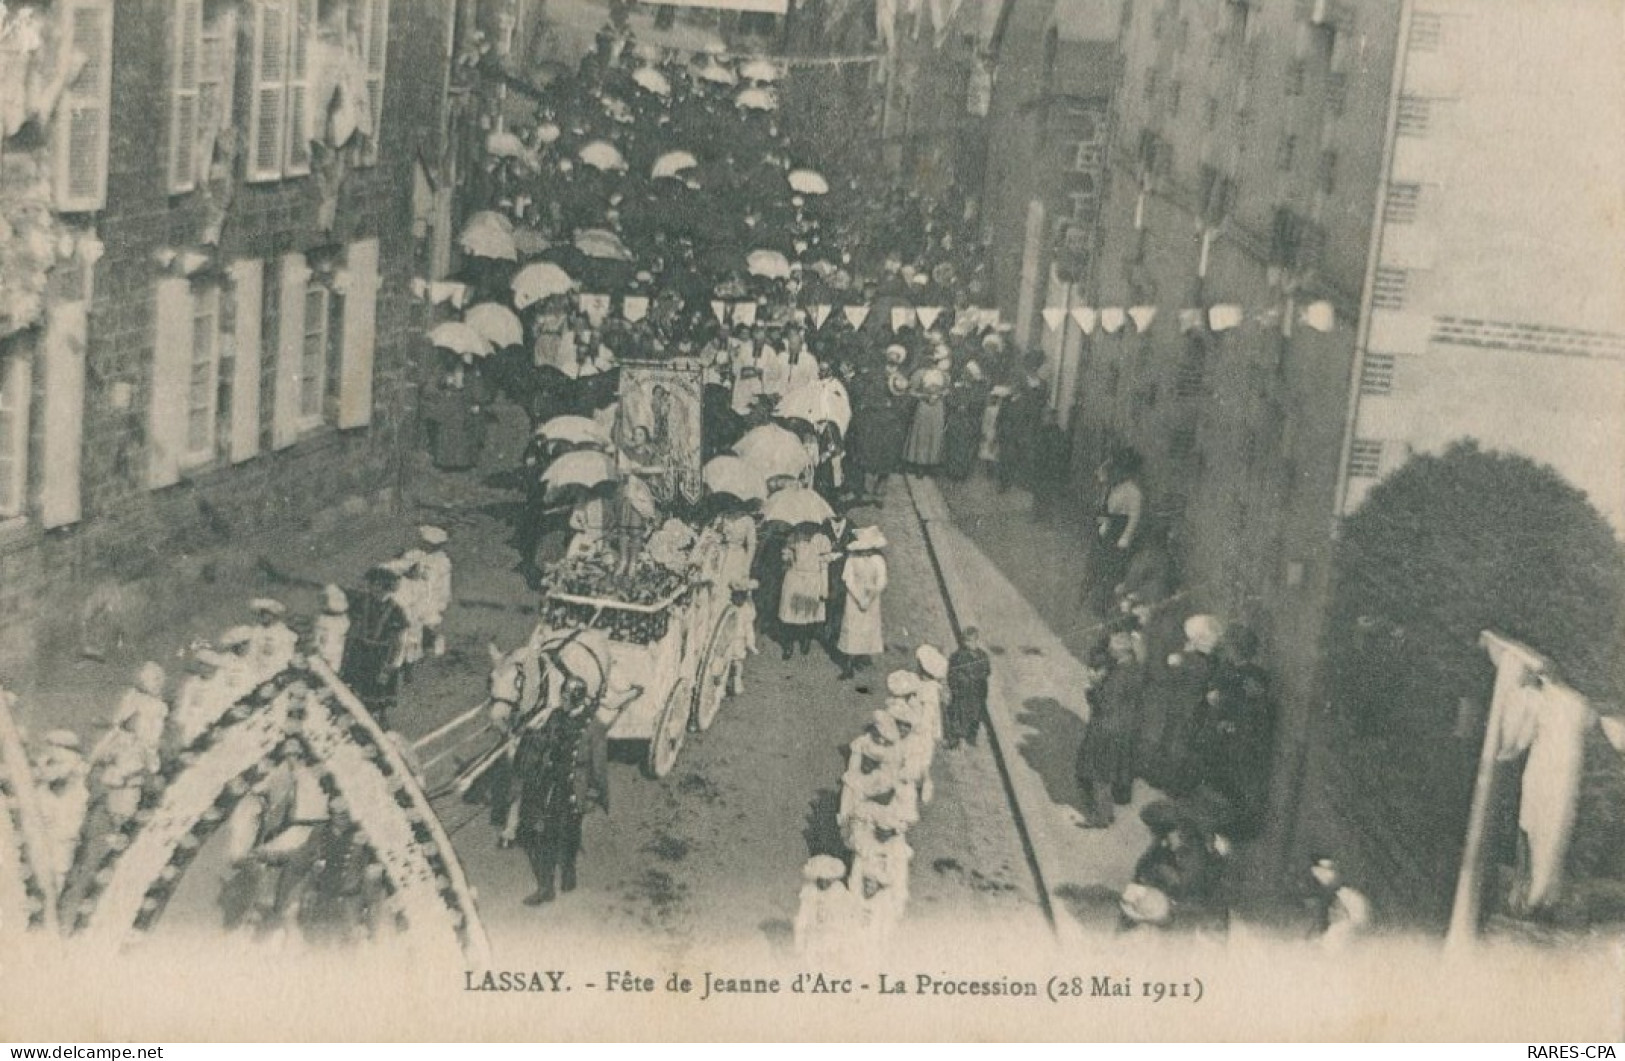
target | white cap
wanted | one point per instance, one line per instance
(932, 661)
(902, 682)
(433, 535)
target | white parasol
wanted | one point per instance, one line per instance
(581, 467)
(757, 99)
(537, 281)
(672, 163)
(603, 155)
(809, 182)
(768, 263)
(602, 243)
(496, 323)
(824, 401)
(651, 80)
(761, 70)
(796, 505)
(728, 474)
(576, 430)
(459, 338)
(774, 450)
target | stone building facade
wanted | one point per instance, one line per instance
(225, 352)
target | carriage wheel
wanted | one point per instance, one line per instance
(670, 730)
(712, 681)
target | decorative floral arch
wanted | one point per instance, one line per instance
(28, 884)
(304, 713)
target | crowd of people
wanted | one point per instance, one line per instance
(296, 855)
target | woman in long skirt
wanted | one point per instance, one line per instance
(923, 451)
(864, 577)
(806, 586)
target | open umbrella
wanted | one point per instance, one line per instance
(757, 99)
(768, 263)
(602, 243)
(672, 163)
(481, 218)
(537, 281)
(496, 323)
(603, 155)
(488, 241)
(504, 144)
(761, 70)
(728, 474)
(717, 74)
(547, 132)
(809, 182)
(581, 467)
(773, 450)
(796, 505)
(459, 338)
(652, 80)
(824, 401)
(576, 430)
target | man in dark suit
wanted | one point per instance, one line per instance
(838, 528)
(563, 768)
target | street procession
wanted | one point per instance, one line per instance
(674, 492)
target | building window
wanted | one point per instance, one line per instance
(371, 22)
(1391, 287)
(80, 128)
(279, 128)
(1401, 204)
(202, 386)
(1415, 115)
(1365, 459)
(1377, 374)
(1086, 156)
(1286, 152)
(15, 393)
(203, 60)
(321, 350)
(1427, 32)
(1328, 172)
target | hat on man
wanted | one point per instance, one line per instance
(932, 661)
(267, 606)
(823, 867)
(433, 535)
(867, 539)
(150, 679)
(902, 683)
(1204, 632)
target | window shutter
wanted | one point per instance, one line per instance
(62, 414)
(268, 99)
(301, 34)
(16, 388)
(375, 40)
(290, 347)
(81, 115)
(186, 56)
(247, 278)
(360, 335)
(171, 371)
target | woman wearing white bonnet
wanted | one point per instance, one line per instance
(932, 693)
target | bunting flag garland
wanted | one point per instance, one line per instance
(901, 317)
(1084, 317)
(1112, 320)
(856, 315)
(635, 307)
(1054, 316)
(820, 314)
(1223, 317)
(719, 309)
(745, 313)
(596, 307)
(1142, 316)
(928, 315)
(1190, 320)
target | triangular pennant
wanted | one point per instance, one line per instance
(901, 317)
(1142, 316)
(596, 307)
(635, 307)
(1191, 320)
(928, 315)
(745, 313)
(1319, 315)
(719, 309)
(1053, 316)
(1223, 317)
(1084, 317)
(1113, 319)
(856, 315)
(820, 314)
